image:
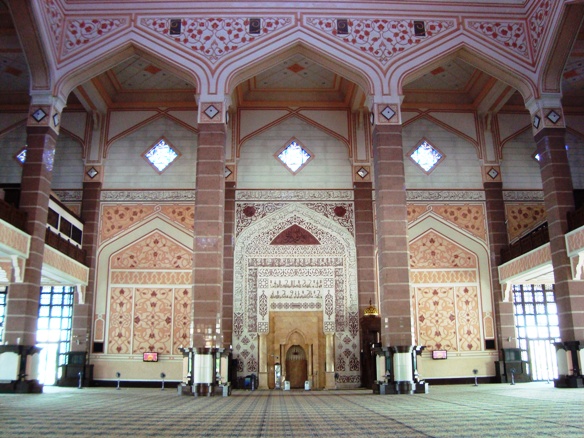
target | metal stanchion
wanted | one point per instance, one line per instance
(162, 376)
(118, 375)
(475, 372)
(80, 380)
(512, 376)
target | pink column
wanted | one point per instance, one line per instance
(208, 235)
(498, 239)
(365, 243)
(228, 241)
(83, 313)
(559, 200)
(395, 305)
(23, 298)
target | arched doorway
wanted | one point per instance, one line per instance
(296, 366)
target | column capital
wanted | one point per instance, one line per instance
(213, 109)
(45, 111)
(546, 112)
(385, 110)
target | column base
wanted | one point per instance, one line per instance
(408, 388)
(330, 382)
(203, 390)
(263, 381)
(21, 387)
(569, 382)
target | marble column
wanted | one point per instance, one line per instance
(263, 361)
(392, 242)
(330, 381)
(498, 239)
(208, 236)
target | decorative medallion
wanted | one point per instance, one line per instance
(92, 173)
(536, 122)
(388, 113)
(493, 173)
(362, 172)
(211, 111)
(39, 115)
(553, 117)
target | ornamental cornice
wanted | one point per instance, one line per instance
(445, 195)
(523, 195)
(294, 195)
(69, 195)
(147, 195)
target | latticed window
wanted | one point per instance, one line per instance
(54, 330)
(161, 155)
(426, 156)
(536, 319)
(294, 156)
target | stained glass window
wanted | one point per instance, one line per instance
(161, 155)
(294, 156)
(426, 156)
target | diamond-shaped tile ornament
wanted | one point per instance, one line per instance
(92, 173)
(388, 113)
(39, 115)
(56, 119)
(493, 173)
(536, 122)
(362, 172)
(227, 172)
(211, 111)
(553, 117)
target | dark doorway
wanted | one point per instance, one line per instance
(296, 366)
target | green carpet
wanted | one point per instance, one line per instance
(522, 410)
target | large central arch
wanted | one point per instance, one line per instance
(297, 260)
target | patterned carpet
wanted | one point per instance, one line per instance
(523, 410)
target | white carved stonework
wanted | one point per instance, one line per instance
(56, 19)
(445, 195)
(148, 195)
(81, 31)
(294, 195)
(214, 38)
(381, 38)
(320, 276)
(523, 195)
(511, 35)
(537, 22)
(248, 213)
(69, 195)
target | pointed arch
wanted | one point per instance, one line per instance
(412, 66)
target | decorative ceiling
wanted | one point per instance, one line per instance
(293, 81)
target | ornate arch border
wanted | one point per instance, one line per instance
(337, 260)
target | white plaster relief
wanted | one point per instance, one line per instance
(69, 195)
(294, 195)
(150, 195)
(445, 195)
(523, 195)
(332, 263)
